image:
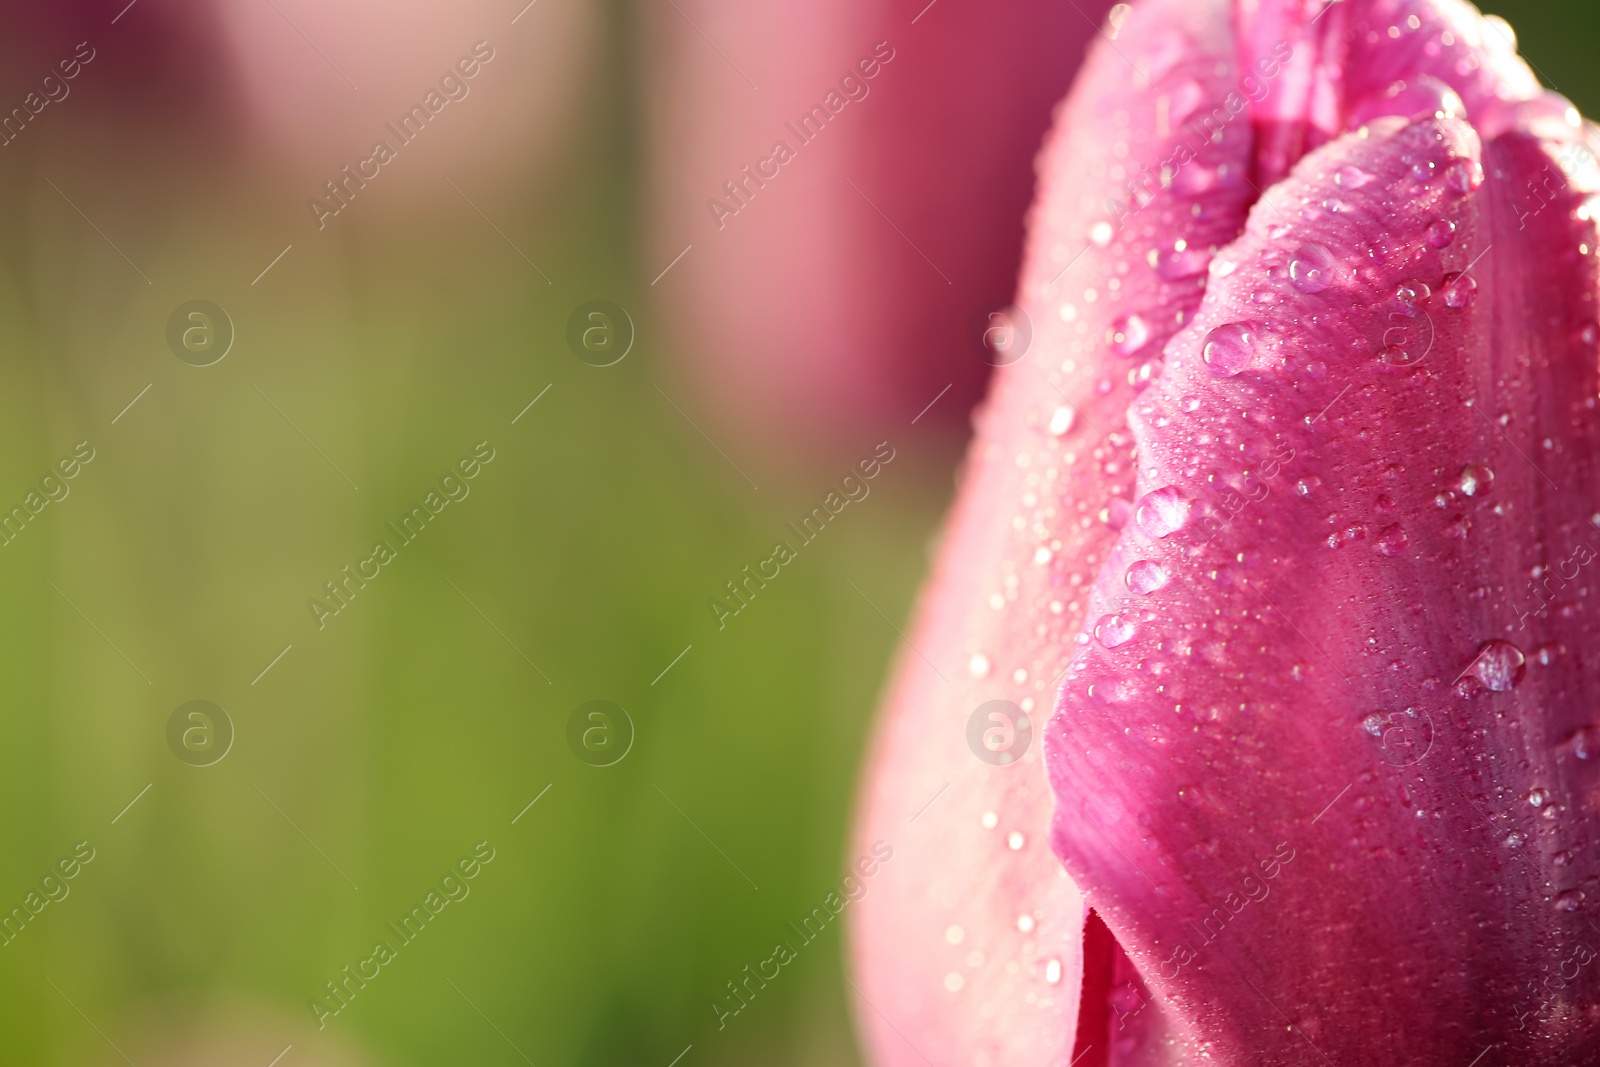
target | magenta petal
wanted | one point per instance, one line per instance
(1324, 783)
(1326, 760)
(968, 947)
(1312, 69)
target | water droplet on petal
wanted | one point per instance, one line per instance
(1145, 576)
(1015, 841)
(1196, 179)
(978, 665)
(1514, 840)
(1189, 404)
(1179, 261)
(1025, 923)
(1311, 268)
(1229, 349)
(1410, 293)
(1500, 666)
(1184, 100)
(1458, 290)
(1463, 175)
(1352, 177)
(1539, 797)
(1128, 334)
(1162, 512)
(1392, 540)
(1100, 233)
(1061, 421)
(1475, 480)
(1441, 232)
(1569, 900)
(1052, 972)
(1113, 630)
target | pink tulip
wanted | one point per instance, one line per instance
(1288, 516)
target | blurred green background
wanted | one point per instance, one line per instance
(412, 727)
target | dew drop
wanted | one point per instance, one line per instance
(1015, 841)
(1539, 797)
(1196, 179)
(1458, 290)
(978, 665)
(1475, 480)
(1128, 335)
(1184, 100)
(1180, 261)
(1229, 349)
(1441, 232)
(1061, 421)
(1311, 268)
(1052, 972)
(1410, 293)
(1514, 840)
(1113, 630)
(1569, 900)
(1352, 177)
(990, 820)
(1025, 923)
(1100, 233)
(1585, 742)
(1562, 858)
(1145, 576)
(1189, 404)
(1500, 666)
(1356, 531)
(1162, 512)
(1392, 540)
(1463, 175)
(1141, 376)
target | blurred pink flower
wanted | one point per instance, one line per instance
(837, 298)
(1310, 400)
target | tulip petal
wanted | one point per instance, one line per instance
(1314, 69)
(1324, 783)
(968, 947)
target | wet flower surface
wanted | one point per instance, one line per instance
(1302, 573)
